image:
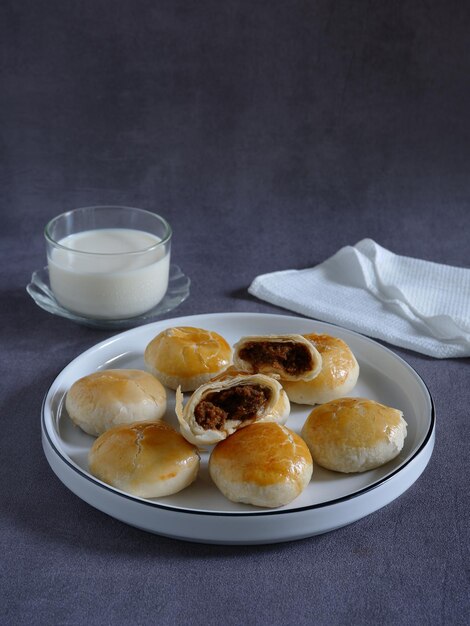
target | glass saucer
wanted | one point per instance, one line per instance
(40, 291)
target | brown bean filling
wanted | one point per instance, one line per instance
(237, 403)
(291, 358)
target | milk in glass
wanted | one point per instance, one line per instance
(109, 273)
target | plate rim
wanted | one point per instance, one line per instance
(245, 514)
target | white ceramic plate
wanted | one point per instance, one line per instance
(200, 512)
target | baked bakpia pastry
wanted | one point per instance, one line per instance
(338, 375)
(111, 397)
(146, 459)
(264, 464)
(187, 357)
(219, 408)
(290, 357)
(354, 434)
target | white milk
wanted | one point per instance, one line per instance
(111, 284)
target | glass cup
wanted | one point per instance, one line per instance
(108, 262)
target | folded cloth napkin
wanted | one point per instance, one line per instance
(407, 302)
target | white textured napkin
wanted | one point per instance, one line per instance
(408, 302)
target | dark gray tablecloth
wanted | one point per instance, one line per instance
(269, 134)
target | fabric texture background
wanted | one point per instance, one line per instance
(408, 302)
(270, 135)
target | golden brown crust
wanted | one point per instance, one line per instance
(107, 398)
(337, 377)
(338, 360)
(263, 453)
(354, 434)
(148, 459)
(186, 356)
(264, 464)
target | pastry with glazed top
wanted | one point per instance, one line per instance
(264, 464)
(289, 357)
(338, 375)
(222, 406)
(187, 357)
(354, 434)
(145, 459)
(111, 397)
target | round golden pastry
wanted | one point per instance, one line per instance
(338, 375)
(145, 459)
(288, 357)
(111, 397)
(187, 357)
(231, 401)
(354, 434)
(264, 464)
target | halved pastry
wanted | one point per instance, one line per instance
(219, 408)
(290, 357)
(187, 357)
(338, 375)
